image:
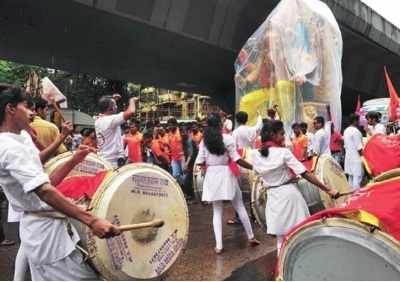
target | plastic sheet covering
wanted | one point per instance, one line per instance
(293, 61)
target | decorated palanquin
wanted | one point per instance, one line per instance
(293, 60)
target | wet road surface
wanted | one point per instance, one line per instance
(199, 262)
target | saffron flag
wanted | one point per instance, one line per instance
(358, 106)
(394, 99)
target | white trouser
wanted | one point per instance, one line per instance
(238, 205)
(70, 268)
(355, 181)
(21, 265)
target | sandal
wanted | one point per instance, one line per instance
(218, 251)
(254, 242)
(6, 242)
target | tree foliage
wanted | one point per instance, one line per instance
(82, 90)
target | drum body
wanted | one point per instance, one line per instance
(139, 193)
(133, 194)
(339, 249)
(329, 172)
(259, 199)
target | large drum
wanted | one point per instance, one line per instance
(359, 241)
(133, 194)
(329, 172)
(259, 199)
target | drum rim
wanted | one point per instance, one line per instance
(100, 192)
(378, 179)
(50, 163)
(262, 224)
(332, 222)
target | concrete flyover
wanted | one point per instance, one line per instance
(181, 44)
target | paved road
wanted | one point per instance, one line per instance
(198, 262)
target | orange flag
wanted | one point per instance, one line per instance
(394, 99)
(358, 106)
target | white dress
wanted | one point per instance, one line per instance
(353, 142)
(286, 206)
(219, 182)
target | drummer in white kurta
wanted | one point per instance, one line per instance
(353, 143)
(219, 183)
(50, 249)
(286, 206)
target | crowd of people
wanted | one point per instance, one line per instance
(29, 140)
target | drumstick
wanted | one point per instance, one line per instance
(154, 223)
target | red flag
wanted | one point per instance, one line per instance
(358, 106)
(394, 99)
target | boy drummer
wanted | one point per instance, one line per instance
(49, 244)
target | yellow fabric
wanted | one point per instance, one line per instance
(283, 95)
(47, 133)
(365, 217)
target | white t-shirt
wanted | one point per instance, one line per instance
(245, 136)
(321, 142)
(45, 240)
(353, 142)
(378, 128)
(109, 137)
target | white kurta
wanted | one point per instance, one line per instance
(353, 142)
(219, 182)
(286, 206)
(245, 136)
(45, 241)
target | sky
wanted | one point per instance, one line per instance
(389, 9)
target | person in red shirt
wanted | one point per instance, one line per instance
(133, 140)
(336, 145)
(176, 146)
(161, 157)
(300, 143)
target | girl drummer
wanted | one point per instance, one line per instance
(278, 168)
(215, 152)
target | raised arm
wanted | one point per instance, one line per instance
(48, 152)
(131, 110)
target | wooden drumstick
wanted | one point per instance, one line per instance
(154, 223)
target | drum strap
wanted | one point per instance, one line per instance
(290, 181)
(49, 214)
